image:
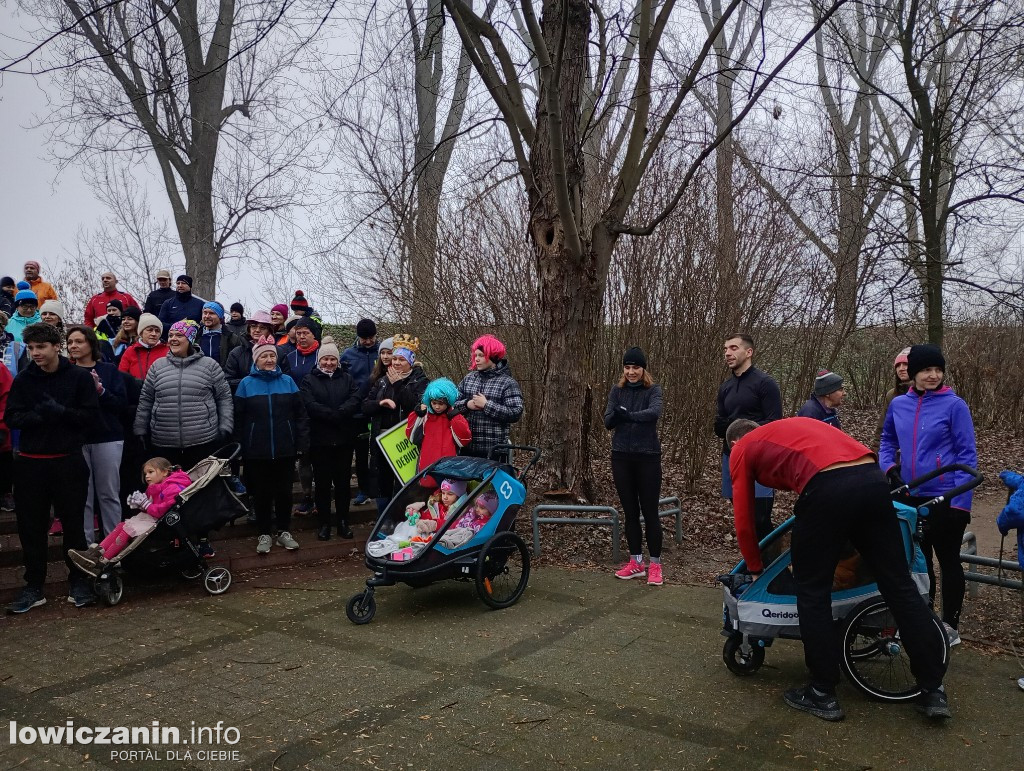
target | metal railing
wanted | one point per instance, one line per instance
(613, 520)
(971, 557)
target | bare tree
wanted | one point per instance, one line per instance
(580, 205)
(170, 80)
(955, 88)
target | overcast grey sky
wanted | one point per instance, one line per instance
(40, 212)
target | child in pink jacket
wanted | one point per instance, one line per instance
(164, 483)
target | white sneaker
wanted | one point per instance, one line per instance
(1020, 683)
(284, 538)
(951, 634)
(263, 544)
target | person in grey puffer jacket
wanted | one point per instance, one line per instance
(185, 408)
(634, 406)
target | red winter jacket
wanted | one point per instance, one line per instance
(97, 306)
(137, 360)
(784, 454)
(438, 441)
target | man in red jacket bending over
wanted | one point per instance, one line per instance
(844, 497)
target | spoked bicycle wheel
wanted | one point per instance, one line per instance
(503, 570)
(875, 659)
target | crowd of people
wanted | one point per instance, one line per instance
(158, 386)
(139, 393)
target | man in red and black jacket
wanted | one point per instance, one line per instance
(844, 497)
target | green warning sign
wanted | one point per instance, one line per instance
(402, 454)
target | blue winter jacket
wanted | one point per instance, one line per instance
(180, 307)
(270, 416)
(813, 408)
(929, 430)
(360, 361)
(1012, 515)
(295, 363)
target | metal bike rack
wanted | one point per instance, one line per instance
(613, 520)
(969, 548)
(971, 557)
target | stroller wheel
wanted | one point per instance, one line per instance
(192, 572)
(217, 580)
(874, 657)
(360, 608)
(109, 588)
(740, 661)
(502, 570)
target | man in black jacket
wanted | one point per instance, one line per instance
(53, 403)
(160, 295)
(749, 394)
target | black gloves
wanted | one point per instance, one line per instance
(421, 410)
(893, 475)
(49, 407)
(622, 414)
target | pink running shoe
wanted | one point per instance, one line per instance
(654, 575)
(56, 528)
(631, 569)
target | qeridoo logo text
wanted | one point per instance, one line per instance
(779, 613)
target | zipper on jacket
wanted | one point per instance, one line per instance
(270, 402)
(181, 430)
(913, 455)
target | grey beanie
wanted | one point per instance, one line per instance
(826, 383)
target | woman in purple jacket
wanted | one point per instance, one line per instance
(927, 427)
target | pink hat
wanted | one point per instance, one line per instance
(280, 308)
(33, 263)
(261, 317)
(188, 328)
(456, 486)
(489, 500)
(492, 347)
(902, 357)
(263, 344)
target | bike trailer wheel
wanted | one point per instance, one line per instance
(740, 659)
(360, 608)
(502, 570)
(874, 657)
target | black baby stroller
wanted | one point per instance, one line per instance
(758, 611)
(495, 558)
(209, 503)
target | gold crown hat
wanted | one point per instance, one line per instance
(408, 342)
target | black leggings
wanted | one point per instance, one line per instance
(638, 482)
(853, 504)
(332, 466)
(943, 538)
(269, 483)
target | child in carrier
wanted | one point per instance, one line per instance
(436, 512)
(164, 482)
(470, 523)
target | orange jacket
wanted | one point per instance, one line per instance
(43, 290)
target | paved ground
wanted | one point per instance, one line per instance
(585, 672)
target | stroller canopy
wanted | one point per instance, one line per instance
(465, 467)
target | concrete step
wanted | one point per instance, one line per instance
(236, 554)
(235, 545)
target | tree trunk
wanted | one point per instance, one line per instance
(726, 256)
(571, 284)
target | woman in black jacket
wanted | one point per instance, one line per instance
(390, 401)
(634, 406)
(332, 399)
